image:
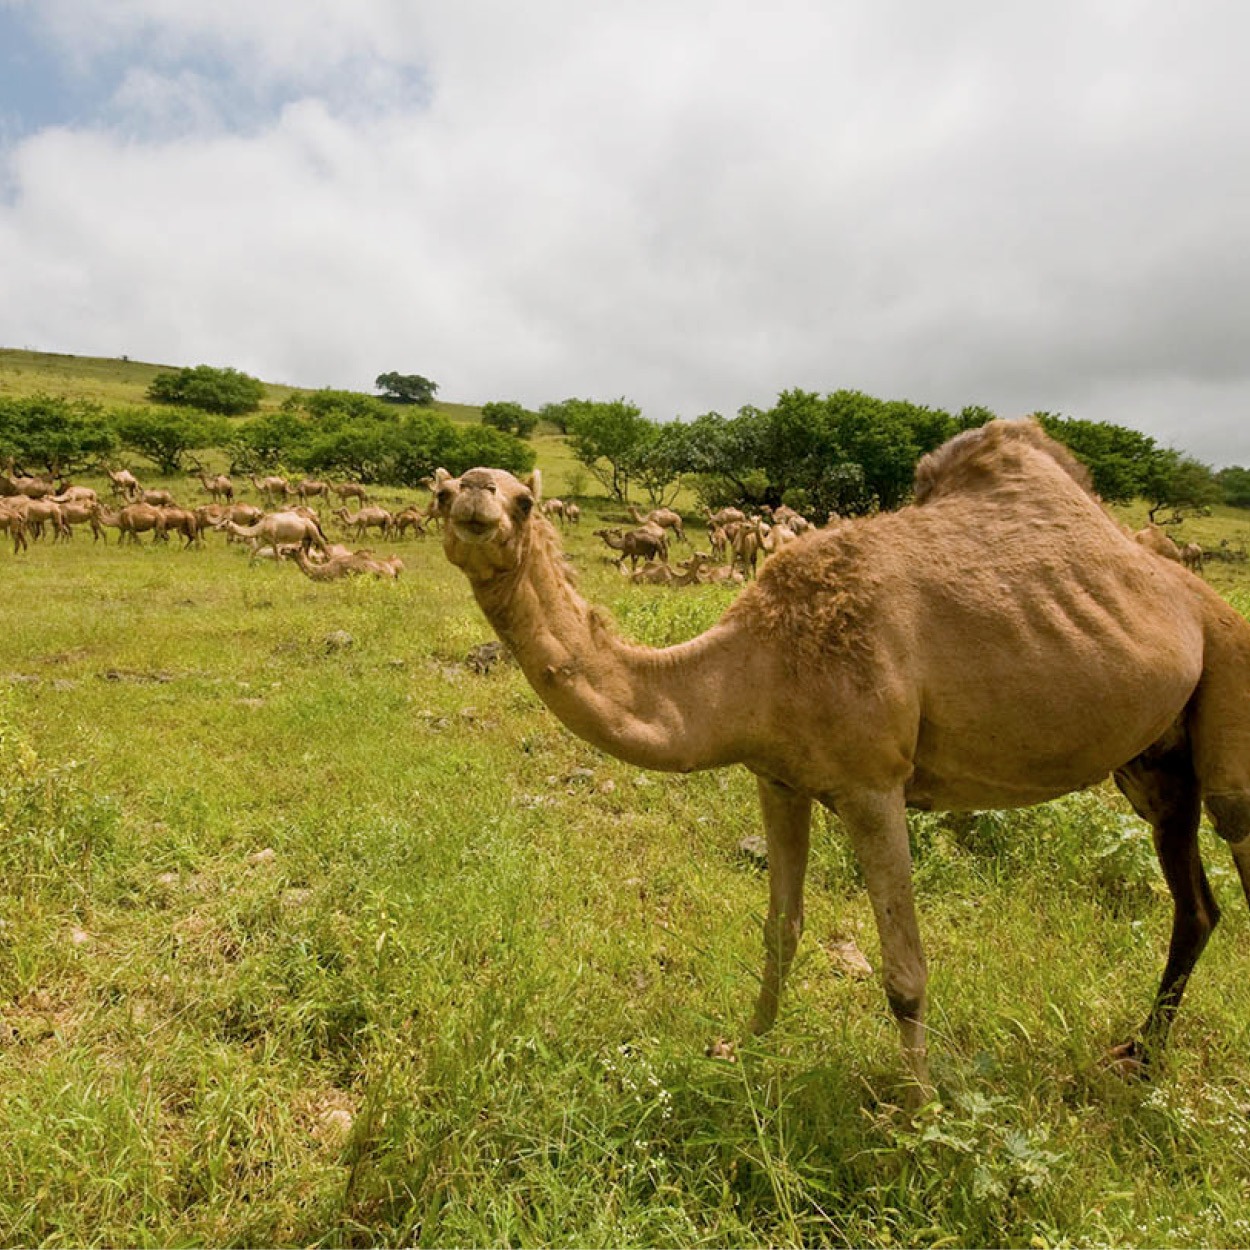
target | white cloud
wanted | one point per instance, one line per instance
(693, 205)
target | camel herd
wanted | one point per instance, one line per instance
(32, 508)
(737, 543)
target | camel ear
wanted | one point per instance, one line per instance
(445, 489)
(535, 484)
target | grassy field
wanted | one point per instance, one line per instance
(312, 934)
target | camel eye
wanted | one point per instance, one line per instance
(444, 498)
(524, 504)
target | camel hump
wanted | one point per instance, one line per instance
(978, 460)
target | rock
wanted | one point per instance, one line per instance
(754, 848)
(263, 858)
(484, 657)
(847, 959)
(338, 640)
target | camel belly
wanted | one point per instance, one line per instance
(1052, 695)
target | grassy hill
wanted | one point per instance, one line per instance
(118, 381)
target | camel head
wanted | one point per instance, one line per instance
(488, 515)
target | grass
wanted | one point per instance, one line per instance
(306, 941)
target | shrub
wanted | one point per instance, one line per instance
(224, 391)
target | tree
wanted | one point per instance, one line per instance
(606, 437)
(406, 388)
(264, 443)
(659, 461)
(1181, 483)
(57, 436)
(165, 436)
(1234, 484)
(224, 391)
(510, 417)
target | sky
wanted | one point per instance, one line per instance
(688, 204)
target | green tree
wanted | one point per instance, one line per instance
(606, 437)
(510, 417)
(407, 388)
(224, 391)
(1234, 484)
(56, 436)
(165, 436)
(266, 442)
(1179, 482)
(660, 460)
(328, 405)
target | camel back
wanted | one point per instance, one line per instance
(977, 460)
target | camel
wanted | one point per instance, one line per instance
(159, 498)
(15, 523)
(271, 489)
(14, 483)
(364, 519)
(647, 542)
(724, 517)
(1192, 557)
(38, 512)
(75, 494)
(181, 521)
(1154, 539)
(82, 512)
(746, 540)
(132, 520)
(777, 537)
(351, 564)
(307, 488)
(123, 483)
(665, 518)
(410, 518)
(553, 508)
(350, 490)
(276, 529)
(998, 643)
(218, 487)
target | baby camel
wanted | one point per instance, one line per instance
(999, 643)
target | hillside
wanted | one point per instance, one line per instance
(119, 381)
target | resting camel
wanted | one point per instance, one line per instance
(352, 564)
(647, 542)
(665, 518)
(998, 643)
(1154, 539)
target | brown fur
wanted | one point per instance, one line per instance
(998, 643)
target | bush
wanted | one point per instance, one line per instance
(510, 417)
(56, 436)
(165, 436)
(224, 391)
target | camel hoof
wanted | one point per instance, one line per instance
(722, 1049)
(1128, 1061)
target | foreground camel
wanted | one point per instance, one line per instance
(998, 644)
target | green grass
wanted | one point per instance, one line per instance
(116, 382)
(303, 943)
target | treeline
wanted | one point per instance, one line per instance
(329, 433)
(850, 453)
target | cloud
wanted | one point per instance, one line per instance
(692, 205)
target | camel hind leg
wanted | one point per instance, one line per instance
(1162, 786)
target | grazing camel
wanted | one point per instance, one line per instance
(648, 543)
(366, 518)
(998, 643)
(553, 508)
(665, 518)
(1192, 557)
(276, 529)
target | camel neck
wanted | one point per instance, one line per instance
(670, 708)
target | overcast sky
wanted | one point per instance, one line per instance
(695, 205)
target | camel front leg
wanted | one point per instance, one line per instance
(877, 825)
(787, 824)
